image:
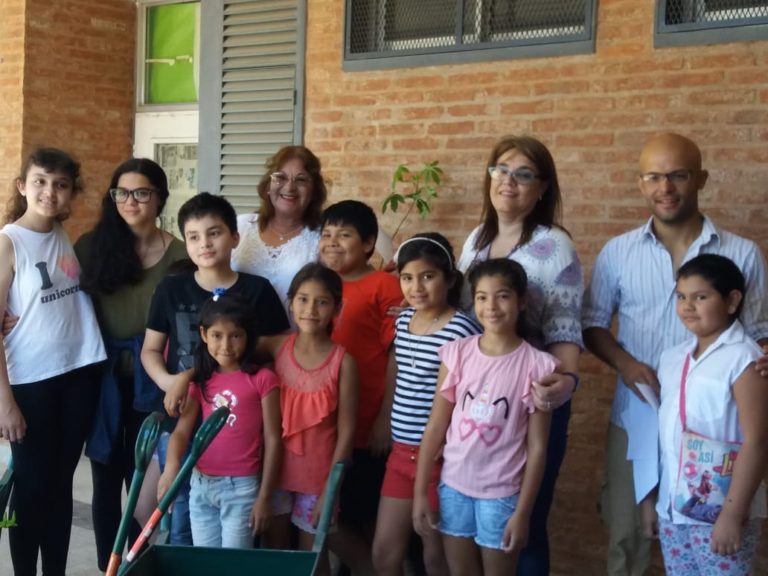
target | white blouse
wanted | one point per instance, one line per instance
(710, 406)
(278, 264)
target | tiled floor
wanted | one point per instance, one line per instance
(82, 549)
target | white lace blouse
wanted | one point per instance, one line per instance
(278, 264)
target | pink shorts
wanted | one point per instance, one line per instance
(300, 506)
(401, 475)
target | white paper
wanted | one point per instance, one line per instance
(649, 394)
(642, 421)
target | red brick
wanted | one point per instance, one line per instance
(443, 128)
(721, 97)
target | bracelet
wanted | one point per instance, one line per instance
(576, 379)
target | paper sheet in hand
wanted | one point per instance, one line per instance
(649, 394)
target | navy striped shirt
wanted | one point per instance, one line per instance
(417, 368)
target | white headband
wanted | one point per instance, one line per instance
(431, 241)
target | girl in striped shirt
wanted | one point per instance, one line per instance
(432, 287)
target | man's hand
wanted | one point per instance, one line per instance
(632, 371)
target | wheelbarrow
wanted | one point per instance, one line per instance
(166, 560)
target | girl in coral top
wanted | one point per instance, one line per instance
(318, 398)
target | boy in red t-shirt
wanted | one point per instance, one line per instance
(366, 329)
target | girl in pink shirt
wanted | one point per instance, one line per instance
(231, 485)
(318, 399)
(495, 439)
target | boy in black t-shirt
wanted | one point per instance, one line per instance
(208, 224)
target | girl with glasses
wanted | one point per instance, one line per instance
(124, 257)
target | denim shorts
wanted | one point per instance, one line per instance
(220, 509)
(483, 519)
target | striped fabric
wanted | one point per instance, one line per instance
(417, 368)
(634, 278)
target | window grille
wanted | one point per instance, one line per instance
(393, 29)
(710, 21)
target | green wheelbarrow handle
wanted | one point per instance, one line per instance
(149, 434)
(203, 437)
(6, 485)
(329, 500)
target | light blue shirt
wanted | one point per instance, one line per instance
(634, 278)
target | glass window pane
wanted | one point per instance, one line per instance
(171, 54)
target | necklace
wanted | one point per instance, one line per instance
(417, 342)
(285, 235)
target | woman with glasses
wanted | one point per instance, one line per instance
(520, 220)
(123, 258)
(283, 235)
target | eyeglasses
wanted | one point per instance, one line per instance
(141, 195)
(675, 177)
(521, 176)
(280, 179)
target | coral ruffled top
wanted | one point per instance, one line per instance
(308, 401)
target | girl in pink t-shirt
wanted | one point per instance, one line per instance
(495, 439)
(318, 399)
(231, 486)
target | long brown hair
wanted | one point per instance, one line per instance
(313, 214)
(548, 211)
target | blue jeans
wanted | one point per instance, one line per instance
(534, 558)
(220, 510)
(181, 530)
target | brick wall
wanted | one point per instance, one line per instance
(11, 103)
(594, 111)
(78, 90)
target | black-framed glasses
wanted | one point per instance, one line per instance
(141, 195)
(674, 177)
(521, 176)
(280, 179)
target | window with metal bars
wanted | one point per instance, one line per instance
(710, 21)
(388, 33)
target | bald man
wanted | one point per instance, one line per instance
(634, 278)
